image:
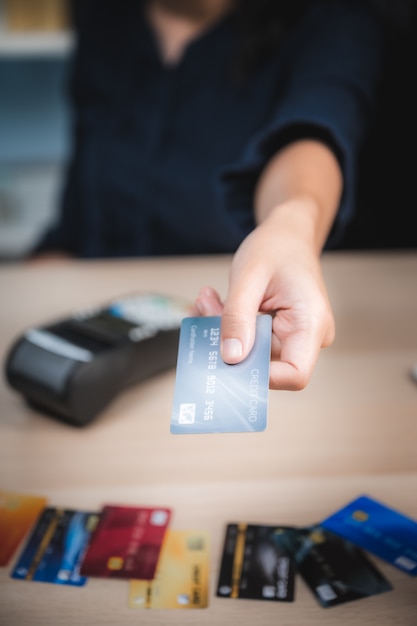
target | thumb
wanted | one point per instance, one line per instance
(238, 324)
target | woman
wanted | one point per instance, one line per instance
(213, 126)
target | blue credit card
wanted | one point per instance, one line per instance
(379, 529)
(212, 396)
(56, 546)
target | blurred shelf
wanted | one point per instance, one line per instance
(35, 44)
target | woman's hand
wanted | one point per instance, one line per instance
(277, 267)
(275, 272)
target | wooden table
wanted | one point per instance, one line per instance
(353, 430)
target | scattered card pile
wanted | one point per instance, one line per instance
(169, 568)
(165, 568)
(260, 562)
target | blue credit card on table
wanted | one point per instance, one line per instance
(212, 396)
(379, 529)
(55, 549)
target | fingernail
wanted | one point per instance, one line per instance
(232, 349)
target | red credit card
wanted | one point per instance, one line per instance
(126, 542)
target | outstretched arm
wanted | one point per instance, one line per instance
(277, 267)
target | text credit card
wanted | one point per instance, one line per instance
(212, 396)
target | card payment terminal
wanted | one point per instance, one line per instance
(72, 368)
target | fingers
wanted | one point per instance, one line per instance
(300, 330)
(238, 320)
(294, 367)
(208, 302)
(294, 358)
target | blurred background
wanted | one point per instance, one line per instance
(35, 46)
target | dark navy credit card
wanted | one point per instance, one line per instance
(335, 570)
(256, 564)
(56, 546)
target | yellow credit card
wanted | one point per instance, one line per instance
(18, 513)
(182, 575)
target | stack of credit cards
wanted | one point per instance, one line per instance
(260, 561)
(169, 568)
(164, 568)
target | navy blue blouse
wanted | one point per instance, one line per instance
(165, 159)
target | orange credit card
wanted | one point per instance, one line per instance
(18, 513)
